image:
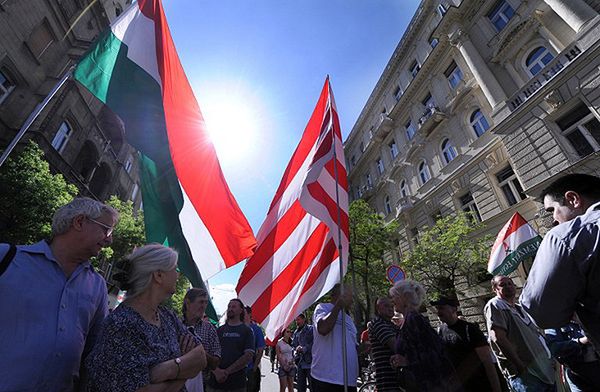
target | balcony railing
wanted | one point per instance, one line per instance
(548, 73)
(383, 127)
(430, 119)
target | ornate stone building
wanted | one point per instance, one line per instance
(39, 41)
(482, 103)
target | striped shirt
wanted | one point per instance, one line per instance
(380, 331)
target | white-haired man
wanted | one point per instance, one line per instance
(52, 299)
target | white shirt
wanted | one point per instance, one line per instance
(327, 350)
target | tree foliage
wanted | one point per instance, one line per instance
(29, 196)
(448, 251)
(370, 239)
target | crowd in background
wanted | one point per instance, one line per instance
(59, 336)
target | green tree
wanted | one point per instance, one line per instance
(450, 250)
(370, 239)
(29, 196)
(129, 231)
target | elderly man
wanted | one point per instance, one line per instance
(382, 334)
(566, 271)
(522, 354)
(53, 301)
(467, 348)
(327, 364)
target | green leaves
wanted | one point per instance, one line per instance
(29, 196)
(447, 252)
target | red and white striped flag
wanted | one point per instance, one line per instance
(297, 261)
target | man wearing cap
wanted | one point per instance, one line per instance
(467, 348)
(516, 341)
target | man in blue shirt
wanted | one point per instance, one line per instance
(53, 301)
(253, 370)
(566, 271)
(302, 341)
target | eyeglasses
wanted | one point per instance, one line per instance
(108, 230)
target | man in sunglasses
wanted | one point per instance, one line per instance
(52, 300)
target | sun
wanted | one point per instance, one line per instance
(232, 122)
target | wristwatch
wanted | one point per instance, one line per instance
(178, 363)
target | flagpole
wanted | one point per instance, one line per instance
(339, 232)
(34, 115)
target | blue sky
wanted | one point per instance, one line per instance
(257, 69)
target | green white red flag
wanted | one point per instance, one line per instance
(516, 242)
(135, 70)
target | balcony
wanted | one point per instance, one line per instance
(404, 205)
(383, 127)
(366, 191)
(549, 72)
(431, 118)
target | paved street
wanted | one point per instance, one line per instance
(270, 381)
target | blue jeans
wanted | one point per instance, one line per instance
(530, 383)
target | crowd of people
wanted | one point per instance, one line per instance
(58, 334)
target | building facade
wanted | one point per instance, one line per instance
(39, 42)
(482, 103)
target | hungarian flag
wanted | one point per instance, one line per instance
(297, 260)
(516, 242)
(135, 70)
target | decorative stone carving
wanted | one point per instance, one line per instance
(554, 99)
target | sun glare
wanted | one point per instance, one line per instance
(232, 123)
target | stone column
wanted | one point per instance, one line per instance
(574, 12)
(513, 72)
(485, 78)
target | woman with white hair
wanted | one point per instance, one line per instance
(420, 356)
(144, 346)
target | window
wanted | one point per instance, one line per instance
(433, 42)
(393, 149)
(397, 93)
(380, 167)
(414, 234)
(404, 189)
(510, 185)
(479, 123)
(369, 181)
(581, 129)
(6, 85)
(62, 136)
(454, 75)
(134, 193)
(448, 151)
(538, 59)
(441, 9)
(414, 68)
(40, 39)
(128, 164)
(387, 205)
(69, 8)
(410, 130)
(353, 160)
(467, 203)
(424, 174)
(428, 101)
(501, 14)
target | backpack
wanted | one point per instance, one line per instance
(8, 257)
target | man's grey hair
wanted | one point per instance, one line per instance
(415, 291)
(144, 262)
(90, 208)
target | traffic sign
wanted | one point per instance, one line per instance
(394, 274)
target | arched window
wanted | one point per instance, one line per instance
(424, 174)
(479, 123)
(448, 151)
(538, 58)
(387, 205)
(404, 188)
(62, 136)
